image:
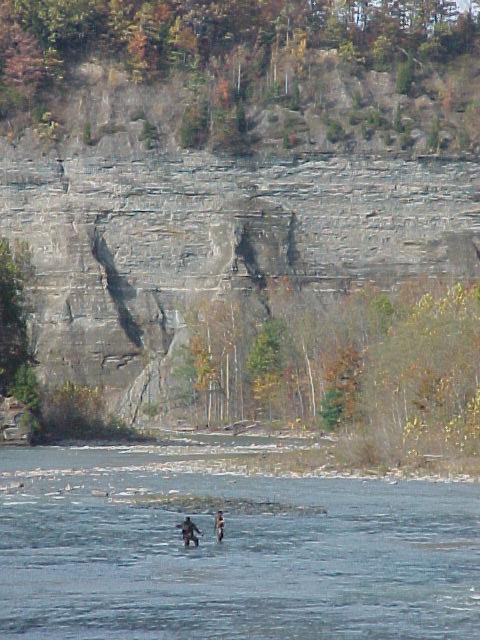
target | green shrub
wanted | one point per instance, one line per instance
(14, 275)
(241, 118)
(290, 139)
(431, 49)
(405, 75)
(387, 138)
(87, 135)
(38, 112)
(348, 52)
(355, 118)
(294, 101)
(463, 139)
(331, 408)
(225, 133)
(30, 424)
(367, 131)
(375, 119)
(63, 24)
(383, 311)
(266, 354)
(10, 100)
(433, 137)
(151, 410)
(193, 130)
(334, 30)
(184, 377)
(398, 125)
(406, 141)
(335, 131)
(149, 134)
(77, 412)
(357, 100)
(272, 93)
(25, 387)
(382, 53)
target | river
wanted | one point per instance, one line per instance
(389, 560)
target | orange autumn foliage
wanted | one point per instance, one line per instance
(342, 372)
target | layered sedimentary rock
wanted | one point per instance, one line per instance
(121, 244)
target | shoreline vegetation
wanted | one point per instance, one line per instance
(322, 457)
(392, 378)
(293, 454)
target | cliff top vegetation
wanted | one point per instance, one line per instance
(288, 73)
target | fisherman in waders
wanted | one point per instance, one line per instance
(189, 528)
(219, 526)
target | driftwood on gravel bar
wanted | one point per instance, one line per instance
(240, 426)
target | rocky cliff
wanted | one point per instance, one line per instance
(121, 242)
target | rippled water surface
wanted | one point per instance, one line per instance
(388, 561)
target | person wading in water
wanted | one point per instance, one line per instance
(219, 526)
(189, 529)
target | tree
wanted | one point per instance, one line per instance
(405, 76)
(183, 40)
(120, 18)
(382, 53)
(341, 374)
(13, 311)
(193, 132)
(331, 408)
(61, 23)
(265, 355)
(25, 387)
(24, 66)
(265, 362)
(138, 50)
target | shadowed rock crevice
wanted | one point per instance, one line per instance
(245, 251)
(119, 289)
(292, 251)
(168, 332)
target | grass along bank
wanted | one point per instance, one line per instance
(303, 454)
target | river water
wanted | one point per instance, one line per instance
(387, 561)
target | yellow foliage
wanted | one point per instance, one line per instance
(299, 45)
(456, 302)
(265, 386)
(463, 431)
(182, 37)
(203, 364)
(48, 129)
(414, 430)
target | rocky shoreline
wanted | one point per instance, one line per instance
(282, 453)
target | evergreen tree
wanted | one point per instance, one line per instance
(13, 333)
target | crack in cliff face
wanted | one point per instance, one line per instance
(476, 249)
(245, 250)
(119, 289)
(168, 334)
(292, 252)
(64, 179)
(138, 404)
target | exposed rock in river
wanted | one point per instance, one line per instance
(210, 504)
